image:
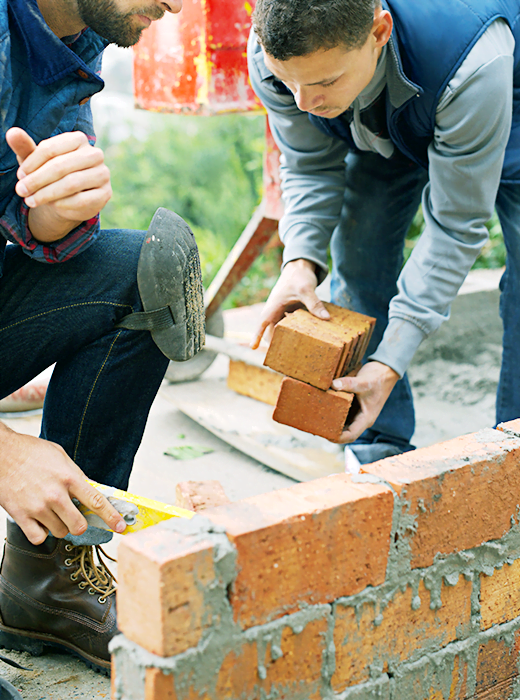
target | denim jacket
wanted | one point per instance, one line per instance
(45, 85)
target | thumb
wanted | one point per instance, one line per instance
(20, 142)
(351, 384)
(315, 306)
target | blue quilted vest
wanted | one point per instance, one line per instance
(431, 39)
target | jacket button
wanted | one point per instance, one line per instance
(84, 101)
(82, 74)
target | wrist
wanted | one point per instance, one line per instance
(4, 431)
(46, 226)
(302, 263)
(388, 373)
(300, 266)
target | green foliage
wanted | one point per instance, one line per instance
(493, 254)
(209, 171)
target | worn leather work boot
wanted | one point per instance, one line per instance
(54, 596)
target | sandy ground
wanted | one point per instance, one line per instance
(454, 378)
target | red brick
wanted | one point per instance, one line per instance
(461, 493)
(312, 410)
(394, 633)
(160, 598)
(512, 427)
(158, 685)
(258, 383)
(199, 495)
(310, 543)
(500, 595)
(497, 669)
(292, 670)
(113, 680)
(413, 682)
(316, 351)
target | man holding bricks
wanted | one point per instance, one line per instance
(65, 288)
(377, 107)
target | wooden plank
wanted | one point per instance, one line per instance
(248, 426)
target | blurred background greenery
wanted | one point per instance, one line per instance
(209, 170)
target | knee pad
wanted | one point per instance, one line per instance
(170, 285)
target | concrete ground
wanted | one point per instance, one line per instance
(454, 377)
(155, 475)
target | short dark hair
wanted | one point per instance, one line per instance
(288, 28)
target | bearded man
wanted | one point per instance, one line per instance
(64, 287)
(378, 106)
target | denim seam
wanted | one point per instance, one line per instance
(62, 308)
(76, 446)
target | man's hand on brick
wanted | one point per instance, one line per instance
(372, 387)
(38, 481)
(295, 288)
(63, 180)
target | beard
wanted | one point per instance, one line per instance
(103, 17)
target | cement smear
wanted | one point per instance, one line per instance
(427, 667)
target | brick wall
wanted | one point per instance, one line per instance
(402, 583)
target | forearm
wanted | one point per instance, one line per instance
(313, 204)
(45, 227)
(9, 449)
(14, 226)
(465, 167)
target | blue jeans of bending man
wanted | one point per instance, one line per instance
(381, 199)
(105, 379)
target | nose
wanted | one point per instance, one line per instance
(307, 99)
(173, 6)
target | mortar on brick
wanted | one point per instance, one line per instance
(436, 469)
(439, 675)
(404, 637)
(414, 679)
(373, 690)
(512, 427)
(177, 622)
(438, 671)
(470, 564)
(198, 668)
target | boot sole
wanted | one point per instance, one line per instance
(38, 644)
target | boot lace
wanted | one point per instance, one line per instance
(97, 576)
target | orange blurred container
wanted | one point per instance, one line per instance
(195, 62)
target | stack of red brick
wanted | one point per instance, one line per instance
(312, 353)
(399, 584)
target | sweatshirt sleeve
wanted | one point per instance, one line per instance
(472, 129)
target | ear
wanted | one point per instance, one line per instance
(382, 27)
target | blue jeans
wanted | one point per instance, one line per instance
(105, 379)
(508, 394)
(381, 199)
